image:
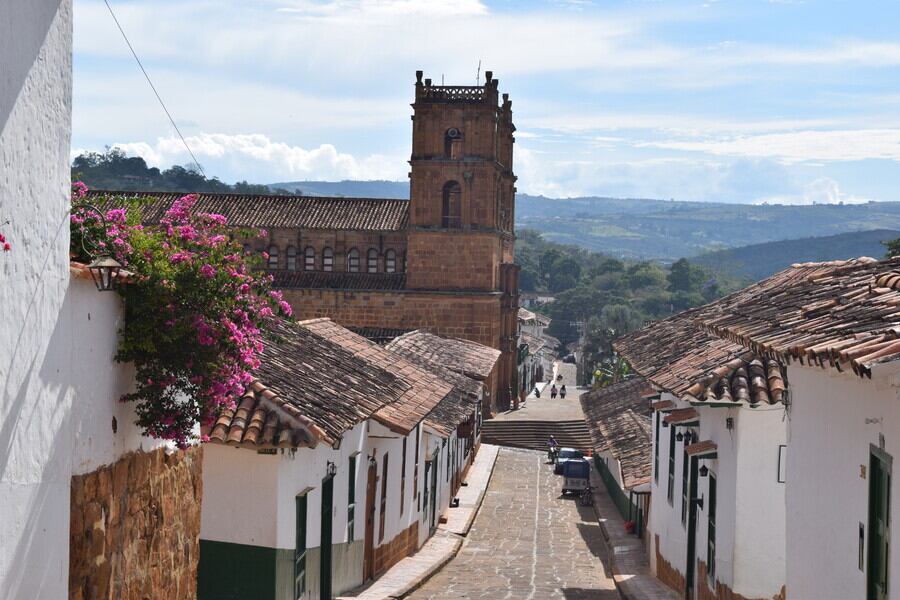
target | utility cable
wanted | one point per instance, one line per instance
(153, 87)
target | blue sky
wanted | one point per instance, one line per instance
(736, 101)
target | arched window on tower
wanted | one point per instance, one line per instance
(327, 259)
(372, 261)
(452, 140)
(353, 260)
(272, 262)
(390, 261)
(451, 206)
(309, 259)
(292, 258)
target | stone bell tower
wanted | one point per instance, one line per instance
(462, 187)
(460, 238)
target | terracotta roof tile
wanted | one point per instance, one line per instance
(618, 418)
(462, 356)
(681, 415)
(700, 448)
(844, 314)
(424, 391)
(662, 405)
(251, 210)
(308, 389)
(380, 335)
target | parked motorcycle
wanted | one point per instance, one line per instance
(587, 496)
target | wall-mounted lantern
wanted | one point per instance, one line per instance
(704, 471)
(330, 469)
(105, 271)
(679, 436)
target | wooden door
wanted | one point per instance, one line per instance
(879, 524)
(369, 550)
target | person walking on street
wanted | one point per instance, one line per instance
(562, 391)
(553, 392)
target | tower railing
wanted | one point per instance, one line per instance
(453, 93)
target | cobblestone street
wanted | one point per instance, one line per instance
(527, 543)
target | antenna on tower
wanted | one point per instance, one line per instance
(478, 74)
(442, 80)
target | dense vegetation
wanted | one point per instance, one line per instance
(607, 296)
(761, 260)
(113, 170)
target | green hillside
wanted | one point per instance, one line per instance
(757, 261)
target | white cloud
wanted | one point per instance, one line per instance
(234, 156)
(798, 146)
(823, 190)
(383, 8)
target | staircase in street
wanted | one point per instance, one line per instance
(534, 434)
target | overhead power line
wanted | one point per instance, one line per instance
(153, 87)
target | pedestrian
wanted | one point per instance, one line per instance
(553, 392)
(562, 391)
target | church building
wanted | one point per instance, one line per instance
(441, 261)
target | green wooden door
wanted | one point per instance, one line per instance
(879, 525)
(325, 562)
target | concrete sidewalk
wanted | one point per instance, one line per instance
(413, 571)
(627, 556)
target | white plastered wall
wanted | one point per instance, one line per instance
(35, 401)
(826, 495)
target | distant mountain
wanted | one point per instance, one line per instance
(758, 261)
(350, 189)
(652, 229)
(667, 230)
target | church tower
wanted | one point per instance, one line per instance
(462, 187)
(460, 237)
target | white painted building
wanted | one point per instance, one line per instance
(836, 327)
(717, 515)
(343, 436)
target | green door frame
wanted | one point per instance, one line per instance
(325, 539)
(878, 563)
(690, 569)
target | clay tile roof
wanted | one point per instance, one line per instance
(701, 448)
(308, 389)
(462, 356)
(525, 314)
(379, 335)
(338, 280)
(618, 418)
(424, 390)
(662, 405)
(746, 379)
(252, 210)
(681, 415)
(844, 314)
(686, 357)
(456, 408)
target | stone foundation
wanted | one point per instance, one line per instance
(404, 544)
(135, 528)
(665, 572)
(722, 591)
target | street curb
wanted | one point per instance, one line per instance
(460, 538)
(420, 581)
(481, 496)
(617, 574)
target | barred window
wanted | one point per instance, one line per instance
(328, 259)
(272, 263)
(372, 261)
(353, 260)
(390, 261)
(292, 258)
(309, 259)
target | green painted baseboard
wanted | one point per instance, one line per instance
(235, 572)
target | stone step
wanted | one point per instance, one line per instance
(534, 434)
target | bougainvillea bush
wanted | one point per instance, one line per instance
(195, 310)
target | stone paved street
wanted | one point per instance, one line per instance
(527, 542)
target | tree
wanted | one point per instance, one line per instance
(893, 248)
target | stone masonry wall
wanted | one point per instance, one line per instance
(403, 545)
(721, 591)
(135, 528)
(666, 573)
(453, 260)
